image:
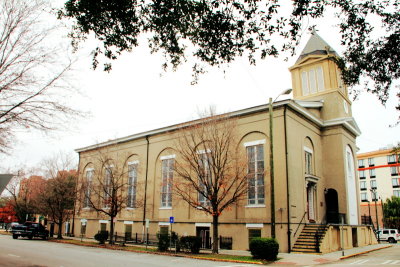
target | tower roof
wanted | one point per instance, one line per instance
(316, 46)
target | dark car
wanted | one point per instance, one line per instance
(30, 230)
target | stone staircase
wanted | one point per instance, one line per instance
(307, 240)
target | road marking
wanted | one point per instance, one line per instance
(12, 255)
(359, 262)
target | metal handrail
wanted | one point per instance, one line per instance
(300, 223)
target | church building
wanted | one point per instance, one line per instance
(316, 204)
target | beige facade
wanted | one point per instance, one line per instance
(379, 178)
(314, 160)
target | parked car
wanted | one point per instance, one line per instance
(30, 230)
(389, 235)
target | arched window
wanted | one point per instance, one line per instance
(308, 157)
(351, 187)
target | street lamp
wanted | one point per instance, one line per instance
(271, 160)
(376, 211)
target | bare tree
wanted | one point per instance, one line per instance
(58, 195)
(210, 162)
(33, 69)
(110, 187)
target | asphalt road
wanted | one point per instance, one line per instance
(383, 257)
(24, 253)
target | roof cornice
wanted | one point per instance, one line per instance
(293, 104)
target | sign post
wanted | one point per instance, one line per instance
(147, 230)
(171, 222)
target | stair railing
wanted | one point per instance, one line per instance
(298, 226)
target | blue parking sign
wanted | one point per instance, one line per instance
(171, 219)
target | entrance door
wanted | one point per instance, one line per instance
(332, 206)
(204, 233)
(311, 202)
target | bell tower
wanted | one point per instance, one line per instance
(316, 77)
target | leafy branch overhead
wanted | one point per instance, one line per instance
(221, 31)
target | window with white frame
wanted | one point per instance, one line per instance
(107, 186)
(395, 182)
(312, 81)
(255, 163)
(371, 162)
(363, 185)
(89, 179)
(373, 184)
(396, 193)
(364, 197)
(132, 183)
(361, 174)
(361, 163)
(308, 161)
(205, 178)
(374, 195)
(394, 171)
(391, 159)
(372, 173)
(167, 173)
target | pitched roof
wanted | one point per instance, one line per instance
(316, 46)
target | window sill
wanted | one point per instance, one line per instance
(86, 208)
(363, 189)
(255, 206)
(362, 178)
(364, 200)
(130, 208)
(165, 208)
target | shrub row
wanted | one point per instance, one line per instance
(190, 244)
(264, 248)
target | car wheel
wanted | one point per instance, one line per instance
(391, 240)
(15, 236)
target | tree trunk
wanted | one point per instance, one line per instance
(215, 234)
(111, 230)
(59, 232)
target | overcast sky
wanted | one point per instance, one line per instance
(138, 96)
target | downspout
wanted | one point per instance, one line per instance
(287, 182)
(76, 185)
(145, 184)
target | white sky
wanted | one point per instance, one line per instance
(135, 98)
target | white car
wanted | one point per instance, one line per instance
(390, 235)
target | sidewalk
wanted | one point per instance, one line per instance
(313, 259)
(304, 259)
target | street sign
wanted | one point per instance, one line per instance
(171, 219)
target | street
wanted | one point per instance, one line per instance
(383, 257)
(38, 253)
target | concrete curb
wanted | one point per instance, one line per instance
(155, 252)
(363, 252)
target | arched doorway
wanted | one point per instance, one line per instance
(332, 206)
(311, 203)
(352, 211)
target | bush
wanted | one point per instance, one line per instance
(190, 243)
(101, 236)
(264, 248)
(163, 241)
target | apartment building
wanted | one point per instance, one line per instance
(315, 182)
(379, 178)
